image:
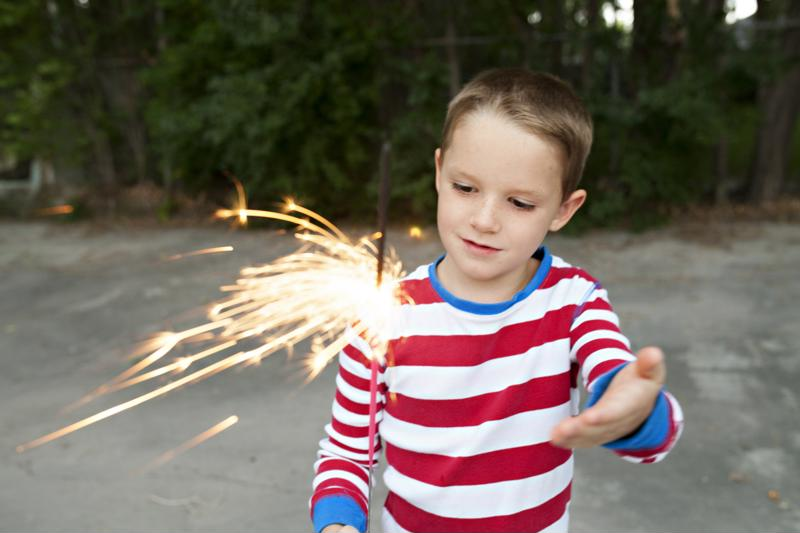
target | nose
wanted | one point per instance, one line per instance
(484, 218)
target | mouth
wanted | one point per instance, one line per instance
(479, 248)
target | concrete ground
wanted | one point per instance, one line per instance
(721, 301)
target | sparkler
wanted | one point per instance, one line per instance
(326, 292)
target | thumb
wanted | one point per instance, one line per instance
(650, 364)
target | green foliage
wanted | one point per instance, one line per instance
(286, 114)
(295, 98)
(665, 144)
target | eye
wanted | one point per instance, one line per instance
(519, 204)
(463, 188)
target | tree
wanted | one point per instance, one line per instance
(779, 103)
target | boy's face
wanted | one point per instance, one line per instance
(500, 193)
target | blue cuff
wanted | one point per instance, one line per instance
(651, 434)
(338, 510)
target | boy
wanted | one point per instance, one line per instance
(478, 395)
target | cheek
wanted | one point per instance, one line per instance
(446, 211)
(530, 233)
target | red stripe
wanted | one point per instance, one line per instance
(347, 430)
(353, 450)
(557, 274)
(534, 394)
(597, 303)
(341, 465)
(492, 467)
(338, 487)
(354, 407)
(602, 368)
(350, 405)
(471, 350)
(534, 519)
(599, 344)
(419, 291)
(593, 325)
(353, 380)
(356, 355)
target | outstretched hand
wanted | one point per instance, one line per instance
(623, 407)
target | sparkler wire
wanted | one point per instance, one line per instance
(383, 205)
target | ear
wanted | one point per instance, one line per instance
(437, 159)
(568, 208)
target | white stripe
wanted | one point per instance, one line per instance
(456, 382)
(484, 500)
(389, 524)
(441, 318)
(327, 458)
(677, 412)
(352, 393)
(326, 445)
(558, 262)
(340, 474)
(353, 419)
(359, 443)
(353, 366)
(421, 272)
(596, 335)
(359, 344)
(473, 440)
(595, 314)
(601, 356)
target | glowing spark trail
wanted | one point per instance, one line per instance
(325, 292)
(191, 443)
(204, 251)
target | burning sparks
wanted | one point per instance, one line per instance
(214, 430)
(204, 251)
(325, 292)
(415, 232)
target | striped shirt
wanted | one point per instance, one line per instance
(467, 398)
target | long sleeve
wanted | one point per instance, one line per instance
(340, 486)
(596, 343)
(601, 350)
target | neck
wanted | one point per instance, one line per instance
(487, 292)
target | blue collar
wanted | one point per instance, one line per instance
(542, 254)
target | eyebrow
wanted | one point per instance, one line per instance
(531, 192)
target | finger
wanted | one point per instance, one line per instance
(577, 432)
(565, 432)
(650, 364)
(580, 434)
(584, 436)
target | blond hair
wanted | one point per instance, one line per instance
(540, 103)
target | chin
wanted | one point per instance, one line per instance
(478, 271)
